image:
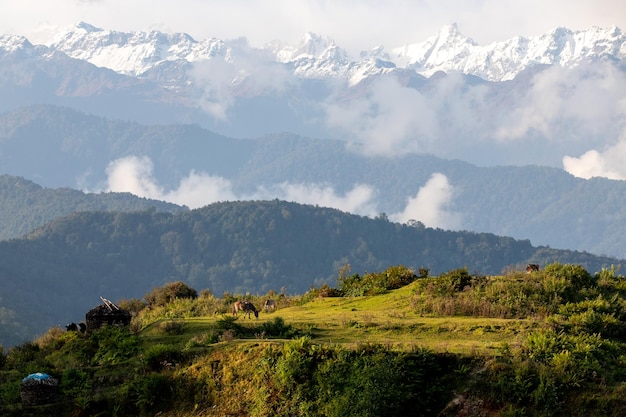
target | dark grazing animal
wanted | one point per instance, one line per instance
(73, 327)
(532, 268)
(247, 307)
(269, 304)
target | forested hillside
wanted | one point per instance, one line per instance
(25, 205)
(56, 273)
(544, 204)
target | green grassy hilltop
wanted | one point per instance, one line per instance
(391, 343)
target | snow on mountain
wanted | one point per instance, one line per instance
(134, 53)
(165, 57)
(449, 51)
(314, 57)
(11, 44)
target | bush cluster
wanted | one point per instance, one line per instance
(163, 295)
(376, 282)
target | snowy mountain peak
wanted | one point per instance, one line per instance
(132, 53)
(311, 47)
(164, 57)
(448, 43)
(449, 34)
(449, 50)
(14, 43)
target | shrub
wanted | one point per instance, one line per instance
(448, 283)
(170, 291)
(228, 328)
(277, 328)
(573, 278)
(133, 305)
(153, 393)
(172, 327)
(28, 352)
(161, 356)
(376, 283)
(399, 276)
(10, 392)
(51, 337)
(326, 291)
(114, 345)
(76, 383)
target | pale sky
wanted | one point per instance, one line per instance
(354, 25)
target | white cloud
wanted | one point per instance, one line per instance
(217, 83)
(200, 189)
(570, 104)
(431, 205)
(359, 200)
(213, 82)
(389, 119)
(135, 175)
(609, 163)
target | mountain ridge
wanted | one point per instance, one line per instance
(544, 204)
(138, 53)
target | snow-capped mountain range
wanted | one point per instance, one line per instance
(448, 96)
(165, 57)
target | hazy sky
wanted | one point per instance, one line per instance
(354, 25)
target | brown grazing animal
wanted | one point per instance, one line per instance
(532, 268)
(247, 307)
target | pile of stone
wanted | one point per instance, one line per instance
(38, 389)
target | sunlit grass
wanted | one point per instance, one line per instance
(388, 319)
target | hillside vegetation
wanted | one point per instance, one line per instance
(544, 204)
(389, 343)
(24, 205)
(59, 271)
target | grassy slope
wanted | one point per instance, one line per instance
(388, 319)
(391, 319)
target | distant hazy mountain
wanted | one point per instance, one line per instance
(543, 204)
(25, 205)
(58, 272)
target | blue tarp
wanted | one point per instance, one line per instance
(38, 376)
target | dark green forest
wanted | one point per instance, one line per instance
(56, 273)
(25, 205)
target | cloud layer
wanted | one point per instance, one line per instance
(135, 175)
(570, 117)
